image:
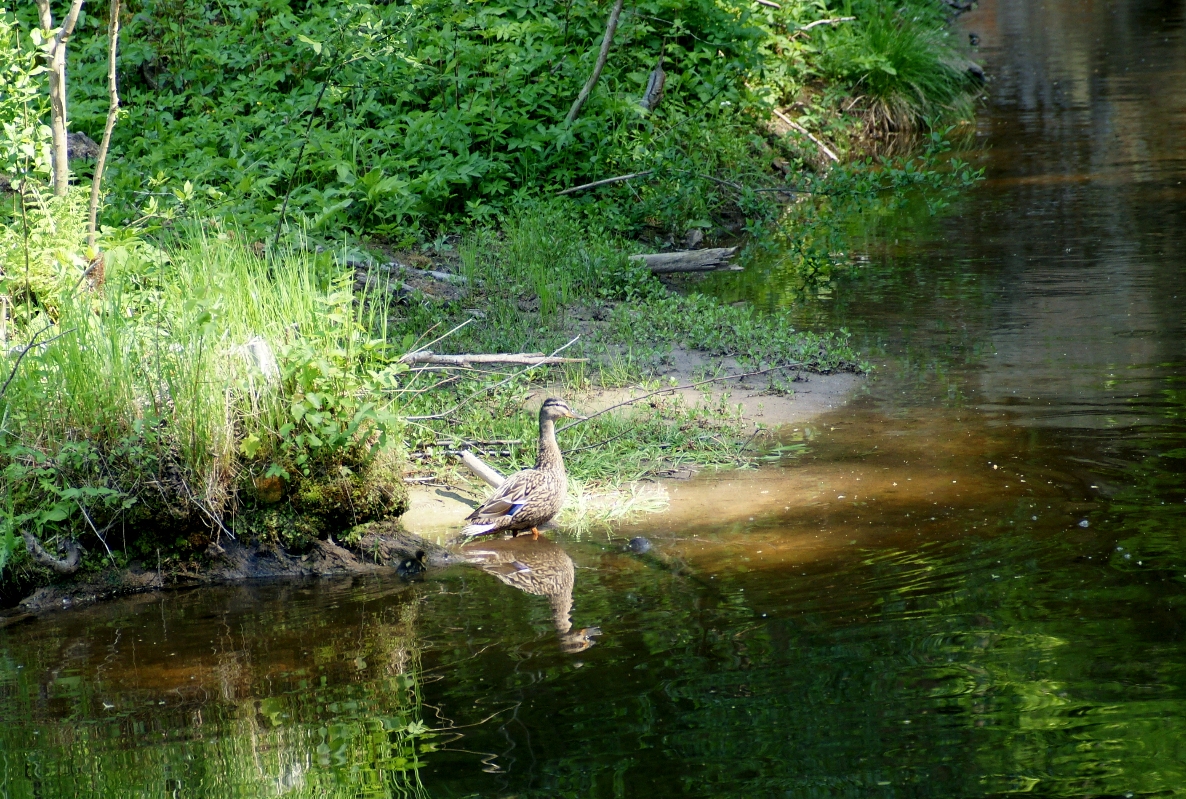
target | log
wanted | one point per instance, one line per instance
(66, 565)
(481, 469)
(519, 358)
(714, 259)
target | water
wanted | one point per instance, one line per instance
(914, 608)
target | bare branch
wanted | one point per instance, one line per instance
(823, 147)
(610, 27)
(487, 473)
(459, 405)
(520, 358)
(819, 22)
(605, 182)
(112, 115)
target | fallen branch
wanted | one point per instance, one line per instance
(605, 182)
(112, 115)
(66, 565)
(793, 365)
(823, 147)
(433, 274)
(819, 22)
(602, 56)
(689, 260)
(519, 358)
(499, 384)
(483, 470)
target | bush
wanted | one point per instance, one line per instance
(900, 57)
(199, 371)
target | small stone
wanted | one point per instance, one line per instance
(1084, 523)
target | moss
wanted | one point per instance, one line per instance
(327, 505)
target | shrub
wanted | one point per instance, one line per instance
(901, 59)
(199, 368)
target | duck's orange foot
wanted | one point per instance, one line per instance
(534, 533)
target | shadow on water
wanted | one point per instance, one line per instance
(970, 584)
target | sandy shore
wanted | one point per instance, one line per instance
(436, 512)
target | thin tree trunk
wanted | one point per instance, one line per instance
(57, 88)
(610, 27)
(112, 115)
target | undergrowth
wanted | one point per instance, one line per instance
(407, 119)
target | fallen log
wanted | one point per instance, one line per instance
(483, 470)
(519, 358)
(714, 259)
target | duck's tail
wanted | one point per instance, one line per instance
(471, 530)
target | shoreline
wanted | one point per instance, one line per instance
(419, 539)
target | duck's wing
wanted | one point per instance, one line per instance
(508, 500)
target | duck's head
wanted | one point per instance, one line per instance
(554, 409)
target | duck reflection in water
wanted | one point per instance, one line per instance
(540, 567)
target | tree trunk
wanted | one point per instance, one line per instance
(57, 88)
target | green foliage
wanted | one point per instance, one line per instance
(412, 117)
(432, 111)
(900, 57)
(196, 368)
(24, 104)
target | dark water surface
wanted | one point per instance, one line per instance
(973, 585)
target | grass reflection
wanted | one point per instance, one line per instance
(132, 709)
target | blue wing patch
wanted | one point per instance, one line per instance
(514, 509)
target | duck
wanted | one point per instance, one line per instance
(540, 567)
(531, 497)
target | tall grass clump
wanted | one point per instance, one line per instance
(201, 391)
(901, 60)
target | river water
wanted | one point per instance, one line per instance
(972, 583)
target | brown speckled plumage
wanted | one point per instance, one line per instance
(531, 497)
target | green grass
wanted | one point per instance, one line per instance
(901, 59)
(149, 409)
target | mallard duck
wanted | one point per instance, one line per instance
(529, 497)
(541, 567)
